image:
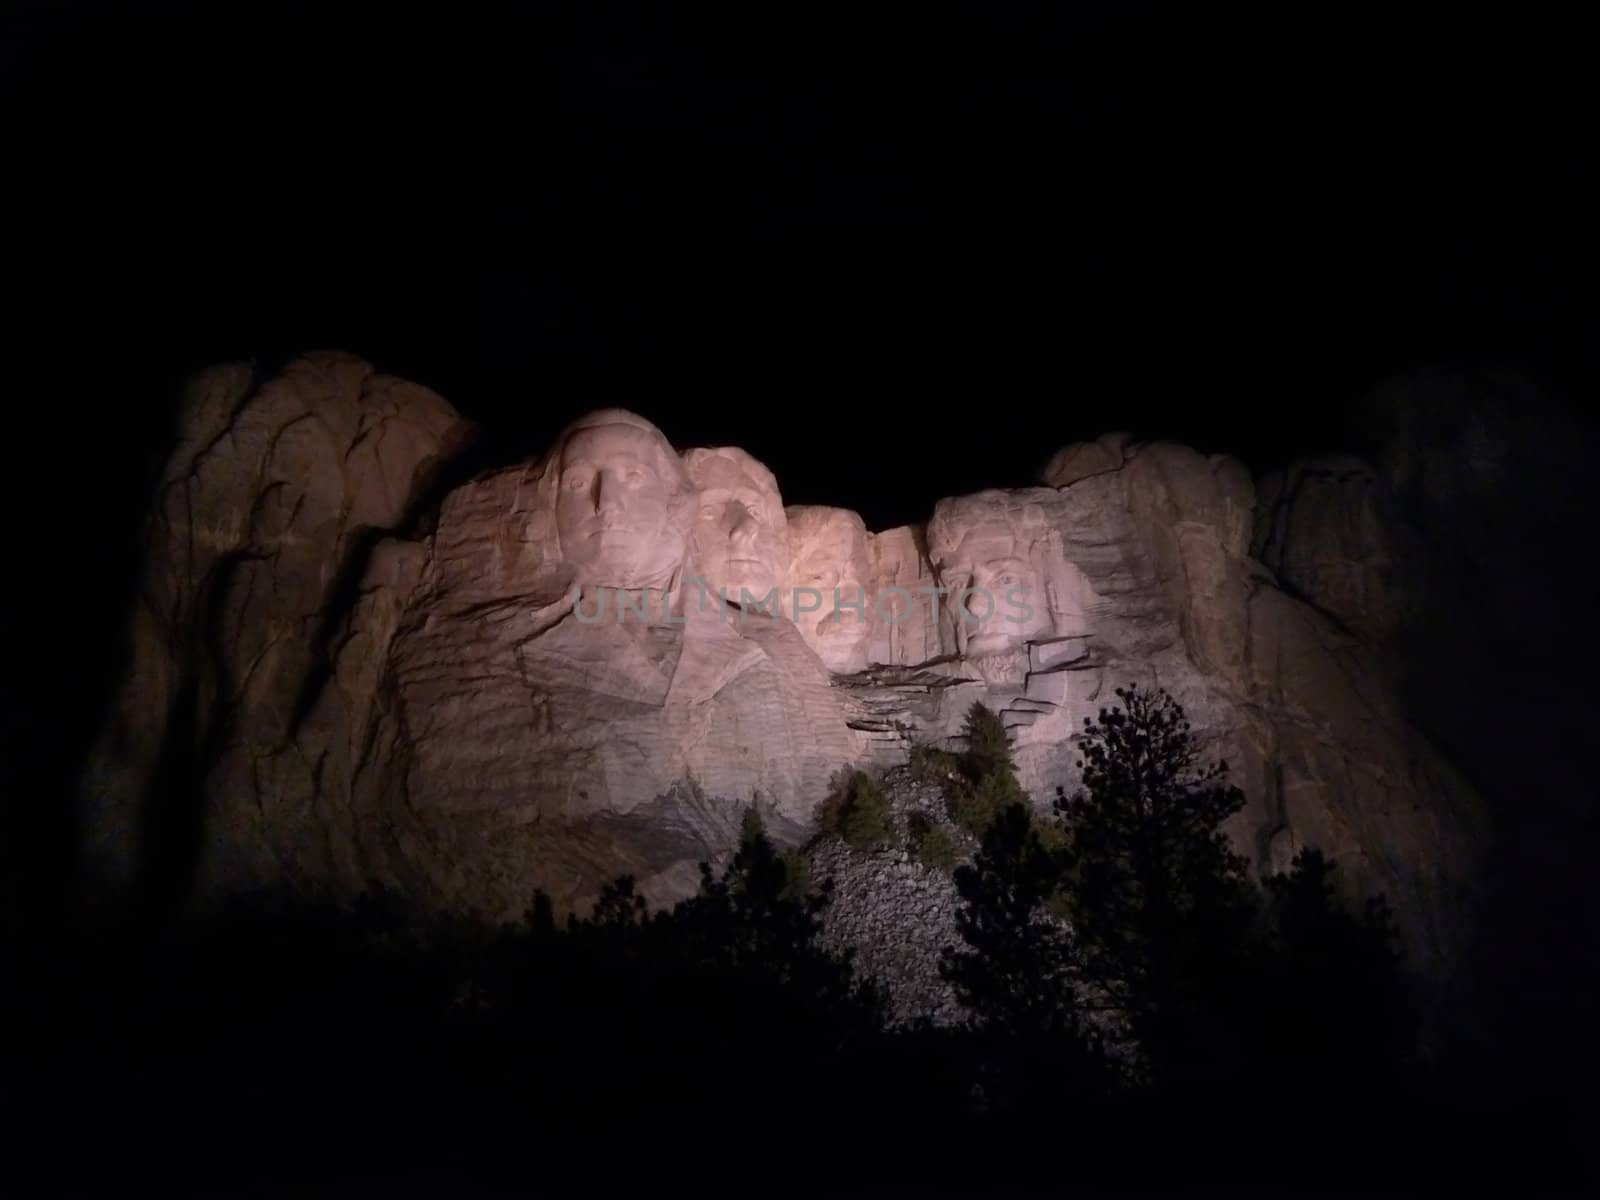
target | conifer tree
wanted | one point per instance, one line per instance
(1160, 905)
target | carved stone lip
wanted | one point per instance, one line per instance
(983, 643)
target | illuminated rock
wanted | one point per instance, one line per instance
(906, 625)
(988, 551)
(622, 502)
(630, 733)
(344, 674)
(1083, 459)
(1142, 574)
(830, 592)
(741, 539)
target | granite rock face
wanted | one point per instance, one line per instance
(1145, 574)
(591, 664)
(1327, 528)
(265, 518)
(1445, 549)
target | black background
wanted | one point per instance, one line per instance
(897, 254)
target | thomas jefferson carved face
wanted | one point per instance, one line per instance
(831, 563)
(619, 502)
(741, 538)
(984, 553)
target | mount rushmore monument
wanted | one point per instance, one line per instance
(348, 669)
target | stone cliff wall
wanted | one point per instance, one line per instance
(326, 689)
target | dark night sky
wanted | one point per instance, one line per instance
(896, 256)
(964, 239)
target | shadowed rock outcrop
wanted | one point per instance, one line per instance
(263, 531)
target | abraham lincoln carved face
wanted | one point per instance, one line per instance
(984, 549)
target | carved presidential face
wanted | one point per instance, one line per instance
(741, 540)
(997, 591)
(831, 564)
(618, 501)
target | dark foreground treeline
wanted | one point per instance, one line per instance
(1138, 1012)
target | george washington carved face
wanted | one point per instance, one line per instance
(621, 498)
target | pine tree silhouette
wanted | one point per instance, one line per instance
(1013, 973)
(1332, 980)
(1159, 904)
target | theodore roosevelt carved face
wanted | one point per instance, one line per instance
(621, 501)
(828, 577)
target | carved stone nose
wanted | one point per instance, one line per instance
(607, 496)
(745, 526)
